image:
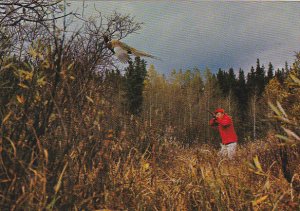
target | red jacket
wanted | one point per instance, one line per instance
(226, 129)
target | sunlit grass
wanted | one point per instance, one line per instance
(166, 176)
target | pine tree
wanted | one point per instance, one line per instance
(226, 81)
(252, 96)
(231, 79)
(222, 81)
(286, 68)
(279, 74)
(135, 75)
(270, 73)
(241, 91)
(251, 80)
(241, 94)
(260, 78)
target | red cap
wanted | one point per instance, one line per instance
(221, 110)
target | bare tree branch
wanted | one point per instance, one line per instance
(13, 12)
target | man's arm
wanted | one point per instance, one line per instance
(213, 122)
(225, 121)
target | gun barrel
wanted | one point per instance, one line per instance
(211, 113)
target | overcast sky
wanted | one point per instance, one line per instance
(210, 34)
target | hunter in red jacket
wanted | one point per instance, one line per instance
(227, 132)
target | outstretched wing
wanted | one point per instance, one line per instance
(142, 53)
(132, 50)
(121, 54)
(118, 43)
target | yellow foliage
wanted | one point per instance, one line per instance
(274, 90)
(42, 81)
(259, 200)
(25, 75)
(23, 86)
(21, 99)
(145, 166)
(58, 184)
(6, 117)
(257, 163)
(37, 97)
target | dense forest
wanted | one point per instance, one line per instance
(80, 132)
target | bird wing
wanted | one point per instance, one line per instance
(132, 50)
(121, 54)
(118, 43)
(142, 53)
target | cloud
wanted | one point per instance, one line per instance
(213, 34)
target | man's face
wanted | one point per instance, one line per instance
(219, 115)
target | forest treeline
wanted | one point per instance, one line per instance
(177, 104)
(79, 132)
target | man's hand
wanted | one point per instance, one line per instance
(213, 122)
(213, 114)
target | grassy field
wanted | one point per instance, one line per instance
(197, 179)
(165, 176)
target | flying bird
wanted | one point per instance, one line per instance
(122, 50)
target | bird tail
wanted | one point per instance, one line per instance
(142, 53)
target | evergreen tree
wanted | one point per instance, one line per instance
(280, 75)
(241, 91)
(135, 75)
(231, 79)
(252, 96)
(226, 81)
(270, 73)
(222, 81)
(260, 78)
(257, 64)
(251, 80)
(286, 68)
(241, 94)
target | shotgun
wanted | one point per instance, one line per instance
(214, 116)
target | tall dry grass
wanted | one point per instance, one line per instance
(166, 176)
